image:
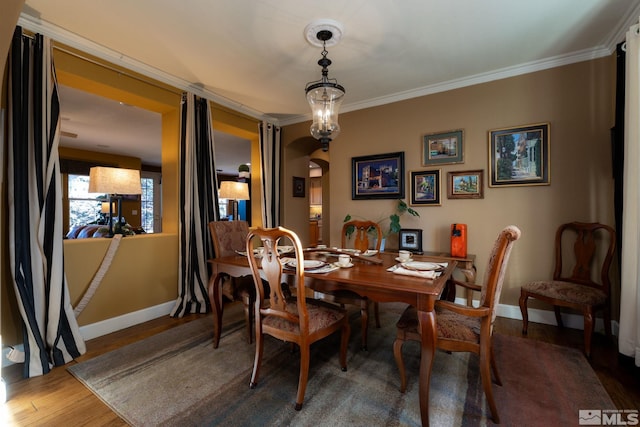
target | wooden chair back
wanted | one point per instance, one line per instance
(228, 237)
(497, 267)
(272, 272)
(577, 257)
(361, 231)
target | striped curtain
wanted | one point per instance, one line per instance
(270, 158)
(198, 204)
(50, 331)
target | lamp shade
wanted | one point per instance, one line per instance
(234, 190)
(114, 180)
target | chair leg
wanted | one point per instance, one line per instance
(248, 302)
(364, 319)
(344, 344)
(258, 358)
(556, 310)
(523, 309)
(485, 374)
(397, 353)
(215, 298)
(305, 355)
(494, 367)
(588, 330)
(606, 317)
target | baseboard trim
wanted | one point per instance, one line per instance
(107, 326)
(547, 317)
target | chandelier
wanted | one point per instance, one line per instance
(325, 95)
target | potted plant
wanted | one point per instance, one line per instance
(394, 220)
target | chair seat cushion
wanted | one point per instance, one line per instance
(321, 315)
(565, 291)
(450, 325)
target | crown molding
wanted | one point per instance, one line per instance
(73, 40)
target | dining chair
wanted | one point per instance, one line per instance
(580, 278)
(464, 328)
(361, 230)
(229, 237)
(293, 318)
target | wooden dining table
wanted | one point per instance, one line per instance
(368, 277)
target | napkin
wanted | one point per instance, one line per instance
(429, 274)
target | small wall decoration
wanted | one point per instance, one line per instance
(465, 185)
(519, 156)
(410, 240)
(378, 177)
(442, 148)
(425, 187)
(298, 186)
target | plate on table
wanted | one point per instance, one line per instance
(285, 249)
(404, 260)
(421, 266)
(369, 252)
(309, 264)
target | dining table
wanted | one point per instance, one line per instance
(371, 277)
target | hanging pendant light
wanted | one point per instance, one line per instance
(325, 95)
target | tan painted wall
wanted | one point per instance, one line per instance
(576, 100)
(141, 275)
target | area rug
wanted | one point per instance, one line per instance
(177, 378)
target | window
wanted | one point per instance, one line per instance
(150, 202)
(84, 208)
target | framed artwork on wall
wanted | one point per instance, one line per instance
(378, 177)
(298, 186)
(410, 239)
(442, 148)
(465, 184)
(519, 156)
(425, 187)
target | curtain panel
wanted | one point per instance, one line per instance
(629, 338)
(198, 204)
(50, 331)
(270, 158)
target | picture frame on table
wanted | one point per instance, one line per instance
(519, 156)
(379, 176)
(425, 188)
(443, 148)
(298, 186)
(410, 239)
(465, 184)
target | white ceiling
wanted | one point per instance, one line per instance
(252, 55)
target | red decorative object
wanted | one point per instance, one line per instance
(459, 240)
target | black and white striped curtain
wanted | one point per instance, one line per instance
(50, 331)
(270, 158)
(198, 204)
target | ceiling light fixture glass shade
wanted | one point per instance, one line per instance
(325, 97)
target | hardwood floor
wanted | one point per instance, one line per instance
(59, 399)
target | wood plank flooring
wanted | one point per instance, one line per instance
(58, 399)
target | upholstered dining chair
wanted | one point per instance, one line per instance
(229, 237)
(361, 242)
(296, 319)
(464, 328)
(580, 282)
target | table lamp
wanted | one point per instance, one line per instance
(115, 182)
(234, 191)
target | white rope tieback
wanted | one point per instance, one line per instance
(97, 278)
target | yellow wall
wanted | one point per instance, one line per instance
(576, 100)
(139, 276)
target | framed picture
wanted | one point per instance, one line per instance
(410, 240)
(465, 185)
(378, 177)
(425, 187)
(442, 148)
(298, 186)
(519, 156)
